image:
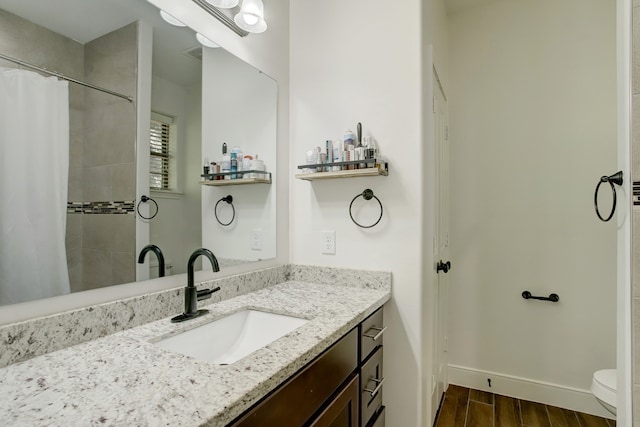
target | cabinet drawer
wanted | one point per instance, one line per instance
(378, 419)
(298, 399)
(371, 331)
(371, 380)
(342, 411)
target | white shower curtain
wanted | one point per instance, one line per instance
(34, 169)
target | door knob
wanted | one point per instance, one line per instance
(443, 266)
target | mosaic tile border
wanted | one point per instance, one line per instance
(110, 208)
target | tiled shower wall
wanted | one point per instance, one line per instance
(109, 168)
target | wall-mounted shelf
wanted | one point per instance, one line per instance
(210, 179)
(378, 169)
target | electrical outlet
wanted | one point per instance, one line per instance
(255, 237)
(329, 242)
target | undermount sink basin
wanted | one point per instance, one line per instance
(229, 339)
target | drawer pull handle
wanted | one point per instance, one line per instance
(376, 336)
(378, 387)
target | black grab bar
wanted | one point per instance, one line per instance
(552, 297)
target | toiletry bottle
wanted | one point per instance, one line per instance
(246, 165)
(329, 152)
(348, 139)
(239, 158)
(312, 159)
(337, 154)
(205, 169)
(234, 165)
(351, 155)
(360, 156)
(320, 159)
(225, 163)
(371, 152)
(258, 165)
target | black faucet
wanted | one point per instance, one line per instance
(156, 250)
(191, 294)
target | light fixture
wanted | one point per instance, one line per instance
(251, 16)
(225, 16)
(170, 19)
(223, 4)
(205, 41)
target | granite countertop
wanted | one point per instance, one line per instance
(123, 379)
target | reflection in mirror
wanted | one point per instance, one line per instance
(242, 115)
(68, 216)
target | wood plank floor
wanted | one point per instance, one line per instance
(463, 407)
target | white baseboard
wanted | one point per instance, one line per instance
(527, 389)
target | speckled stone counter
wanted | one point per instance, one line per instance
(24, 340)
(124, 379)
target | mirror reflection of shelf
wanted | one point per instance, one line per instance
(217, 179)
(374, 168)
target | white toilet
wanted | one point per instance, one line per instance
(603, 388)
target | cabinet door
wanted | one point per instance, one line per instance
(372, 379)
(342, 410)
(378, 420)
(371, 334)
(295, 402)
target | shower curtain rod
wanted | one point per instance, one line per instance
(62, 76)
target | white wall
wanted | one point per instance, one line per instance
(240, 106)
(533, 127)
(351, 62)
(178, 239)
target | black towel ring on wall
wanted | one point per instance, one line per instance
(616, 178)
(367, 195)
(229, 200)
(145, 199)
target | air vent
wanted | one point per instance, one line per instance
(194, 52)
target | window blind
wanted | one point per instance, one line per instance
(160, 154)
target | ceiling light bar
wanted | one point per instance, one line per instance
(222, 17)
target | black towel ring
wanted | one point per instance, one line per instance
(229, 200)
(145, 199)
(367, 195)
(616, 178)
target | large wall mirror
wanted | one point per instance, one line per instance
(70, 205)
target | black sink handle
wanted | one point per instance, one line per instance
(206, 293)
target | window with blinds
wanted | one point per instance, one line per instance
(161, 144)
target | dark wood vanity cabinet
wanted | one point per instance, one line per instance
(371, 332)
(342, 411)
(340, 388)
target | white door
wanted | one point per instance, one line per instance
(441, 244)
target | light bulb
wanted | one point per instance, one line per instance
(251, 16)
(223, 4)
(204, 41)
(170, 19)
(250, 19)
